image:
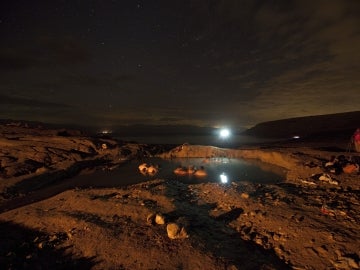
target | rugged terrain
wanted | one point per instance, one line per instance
(309, 221)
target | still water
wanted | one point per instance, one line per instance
(216, 169)
(219, 170)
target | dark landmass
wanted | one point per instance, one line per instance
(340, 125)
(170, 130)
(121, 130)
(330, 126)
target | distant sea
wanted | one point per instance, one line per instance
(234, 140)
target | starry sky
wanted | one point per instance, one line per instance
(191, 62)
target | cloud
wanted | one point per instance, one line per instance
(25, 102)
(11, 60)
(107, 80)
(304, 60)
(43, 52)
(168, 120)
(244, 61)
(324, 28)
(323, 76)
(65, 50)
(13, 107)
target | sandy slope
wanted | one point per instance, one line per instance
(302, 223)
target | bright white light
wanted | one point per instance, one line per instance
(224, 133)
(296, 137)
(223, 178)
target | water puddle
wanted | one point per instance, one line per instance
(218, 170)
(222, 170)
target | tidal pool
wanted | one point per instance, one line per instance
(221, 170)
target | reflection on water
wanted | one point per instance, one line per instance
(223, 170)
(223, 178)
(219, 170)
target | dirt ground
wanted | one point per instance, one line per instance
(308, 221)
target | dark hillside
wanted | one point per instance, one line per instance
(340, 125)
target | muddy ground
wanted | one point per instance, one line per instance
(301, 223)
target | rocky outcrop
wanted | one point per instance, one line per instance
(282, 159)
(37, 157)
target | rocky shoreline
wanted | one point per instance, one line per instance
(305, 222)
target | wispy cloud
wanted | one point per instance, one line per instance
(303, 61)
(44, 52)
(20, 101)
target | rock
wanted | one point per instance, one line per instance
(153, 218)
(244, 195)
(231, 267)
(352, 263)
(276, 237)
(258, 241)
(346, 263)
(175, 231)
(278, 251)
(159, 219)
(41, 245)
(321, 251)
(172, 230)
(248, 224)
(150, 219)
(40, 170)
(252, 214)
(327, 178)
(69, 235)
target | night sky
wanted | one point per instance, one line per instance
(207, 63)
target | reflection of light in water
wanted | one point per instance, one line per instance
(145, 169)
(223, 178)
